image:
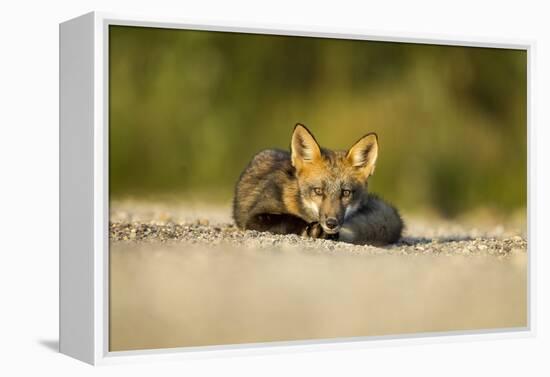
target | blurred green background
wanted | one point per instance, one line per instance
(188, 109)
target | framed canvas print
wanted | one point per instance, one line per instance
(227, 189)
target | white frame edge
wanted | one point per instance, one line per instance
(84, 204)
(76, 188)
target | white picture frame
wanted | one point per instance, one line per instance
(84, 210)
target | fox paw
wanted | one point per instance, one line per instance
(315, 230)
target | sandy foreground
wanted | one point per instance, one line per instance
(183, 275)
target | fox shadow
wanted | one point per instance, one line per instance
(414, 241)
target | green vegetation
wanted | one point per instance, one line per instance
(188, 110)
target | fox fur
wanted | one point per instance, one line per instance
(316, 192)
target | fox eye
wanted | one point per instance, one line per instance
(318, 191)
(346, 193)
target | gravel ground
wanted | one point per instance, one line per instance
(213, 226)
(183, 275)
(201, 232)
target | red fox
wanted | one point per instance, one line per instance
(316, 192)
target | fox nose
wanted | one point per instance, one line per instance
(332, 223)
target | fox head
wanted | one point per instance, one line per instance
(332, 184)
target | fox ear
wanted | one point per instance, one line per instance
(363, 153)
(304, 147)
